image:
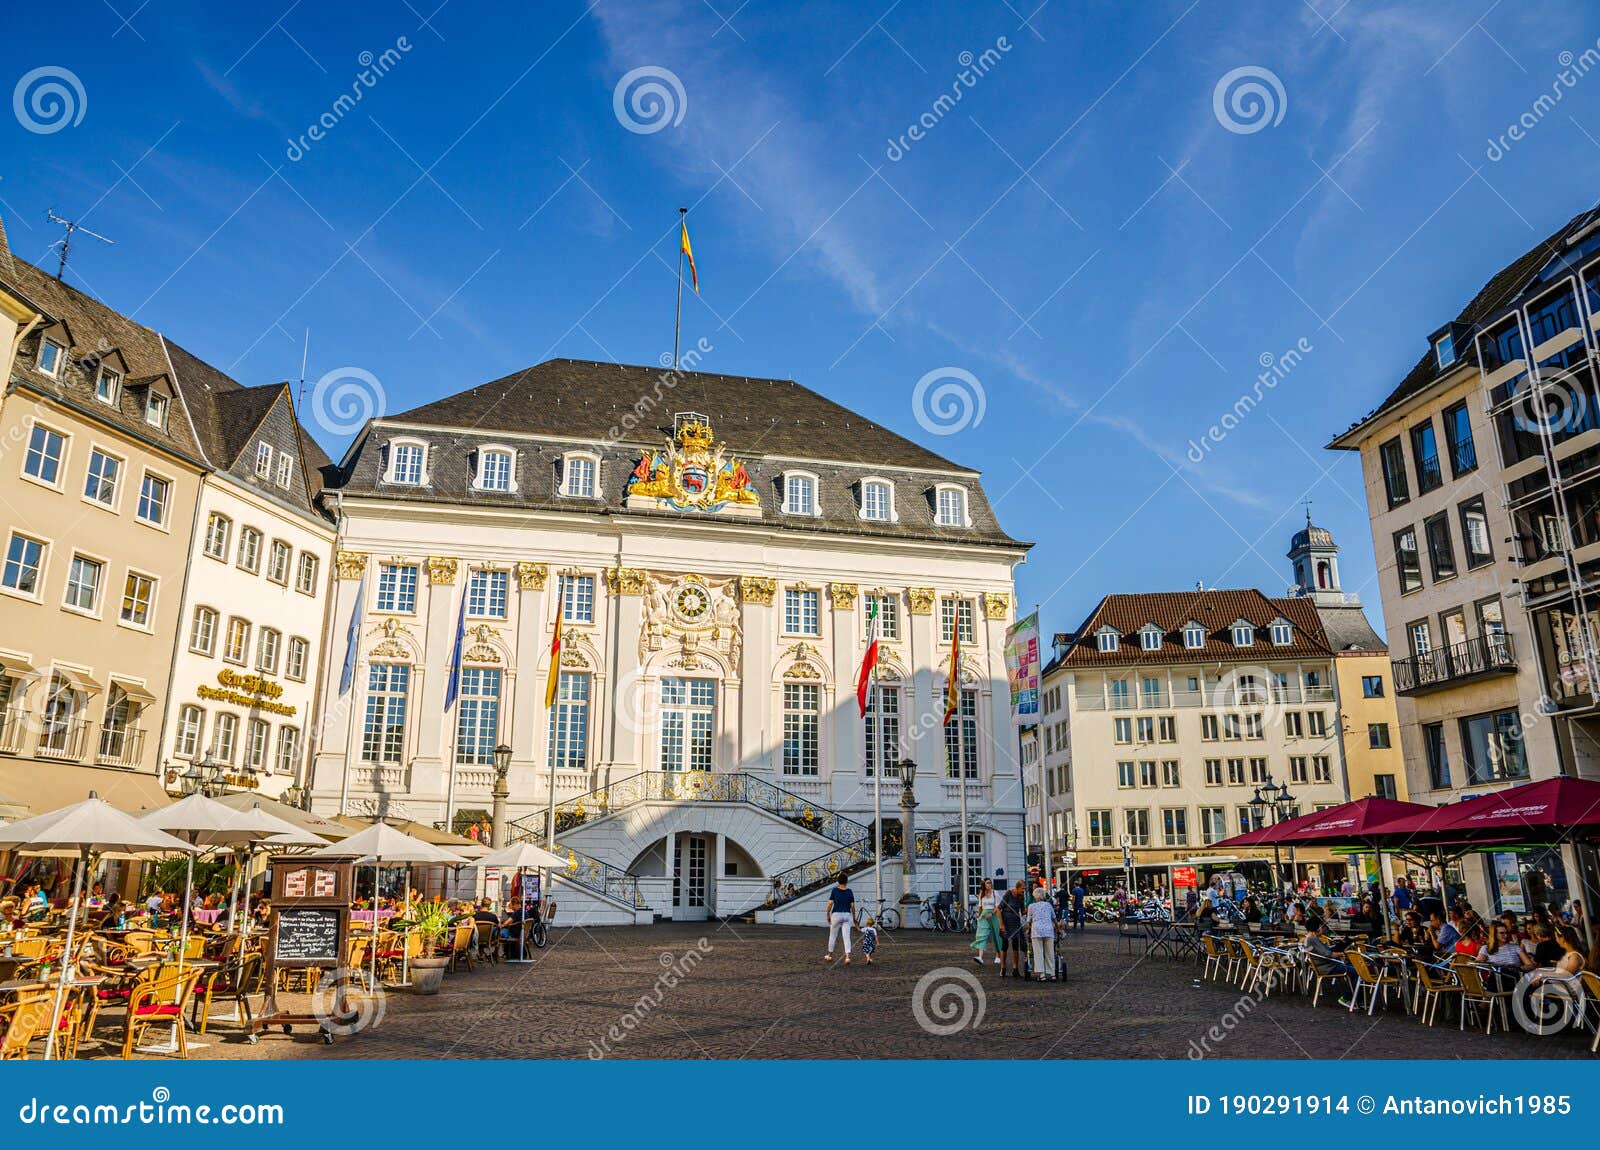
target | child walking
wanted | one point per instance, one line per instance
(869, 938)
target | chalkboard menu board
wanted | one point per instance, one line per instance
(308, 935)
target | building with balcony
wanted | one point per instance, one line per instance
(1482, 474)
(706, 548)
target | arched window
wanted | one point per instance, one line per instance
(496, 469)
(408, 462)
(799, 493)
(580, 472)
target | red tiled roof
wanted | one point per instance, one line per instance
(1216, 611)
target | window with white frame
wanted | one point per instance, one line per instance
(256, 735)
(477, 715)
(956, 619)
(138, 599)
(264, 459)
(883, 741)
(383, 733)
(294, 667)
(1136, 825)
(1150, 638)
(287, 757)
(494, 469)
(577, 598)
(236, 643)
(688, 715)
(967, 862)
(155, 494)
(1194, 636)
(799, 494)
(486, 594)
(1213, 824)
(1244, 635)
(578, 474)
(800, 728)
(800, 612)
(218, 529)
(250, 549)
(397, 587)
(888, 615)
(42, 460)
(1107, 641)
(84, 578)
(961, 738)
(108, 385)
(305, 580)
(100, 483)
(278, 558)
(224, 737)
(569, 723)
(407, 463)
(285, 470)
(952, 507)
(267, 650)
(155, 409)
(50, 353)
(1282, 633)
(186, 741)
(877, 500)
(1100, 828)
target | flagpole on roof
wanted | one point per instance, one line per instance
(677, 318)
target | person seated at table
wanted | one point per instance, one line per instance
(1251, 909)
(1571, 960)
(1325, 957)
(1365, 919)
(110, 915)
(484, 912)
(1205, 918)
(1506, 958)
(34, 903)
(1508, 919)
(1414, 935)
(262, 914)
(1445, 934)
(1542, 944)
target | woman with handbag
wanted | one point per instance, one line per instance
(988, 933)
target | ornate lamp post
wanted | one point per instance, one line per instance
(1277, 799)
(501, 792)
(908, 843)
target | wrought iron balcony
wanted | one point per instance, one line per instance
(120, 746)
(1451, 666)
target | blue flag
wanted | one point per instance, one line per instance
(352, 638)
(455, 656)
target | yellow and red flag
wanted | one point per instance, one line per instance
(952, 690)
(554, 681)
(683, 247)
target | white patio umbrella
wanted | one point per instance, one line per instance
(380, 844)
(521, 856)
(90, 827)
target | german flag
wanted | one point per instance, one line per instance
(553, 681)
(683, 247)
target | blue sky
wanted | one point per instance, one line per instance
(1083, 233)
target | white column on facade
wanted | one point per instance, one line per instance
(336, 743)
(434, 752)
(844, 741)
(526, 734)
(631, 696)
(757, 736)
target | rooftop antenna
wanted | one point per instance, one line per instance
(65, 242)
(305, 352)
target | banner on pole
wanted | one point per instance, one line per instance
(1022, 668)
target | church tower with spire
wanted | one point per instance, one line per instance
(1316, 566)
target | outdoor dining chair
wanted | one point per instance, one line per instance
(21, 1021)
(161, 1002)
(488, 942)
(1435, 983)
(1591, 986)
(1479, 989)
(461, 944)
(1216, 956)
(1372, 976)
(1236, 958)
(234, 982)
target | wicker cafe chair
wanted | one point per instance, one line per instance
(1591, 987)
(1274, 968)
(1216, 954)
(461, 944)
(161, 1002)
(1435, 983)
(22, 1021)
(1236, 958)
(234, 983)
(1478, 988)
(488, 942)
(1372, 977)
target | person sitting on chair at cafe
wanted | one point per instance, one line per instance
(1206, 917)
(1571, 960)
(1505, 956)
(1325, 957)
(1445, 934)
(1251, 909)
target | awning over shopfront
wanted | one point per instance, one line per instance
(136, 691)
(43, 787)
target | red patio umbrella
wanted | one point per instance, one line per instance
(1548, 810)
(1347, 823)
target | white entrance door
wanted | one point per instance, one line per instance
(689, 885)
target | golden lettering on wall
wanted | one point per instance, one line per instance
(921, 600)
(351, 564)
(441, 571)
(252, 691)
(531, 576)
(757, 590)
(843, 596)
(996, 604)
(626, 580)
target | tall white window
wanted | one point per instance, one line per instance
(688, 718)
(108, 386)
(494, 470)
(50, 353)
(952, 507)
(876, 501)
(224, 737)
(236, 644)
(138, 599)
(968, 862)
(486, 594)
(154, 495)
(383, 733)
(155, 409)
(569, 723)
(578, 473)
(250, 549)
(278, 562)
(577, 598)
(477, 715)
(799, 495)
(961, 738)
(883, 742)
(397, 587)
(264, 460)
(267, 650)
(186, 742)
(218, 528)
(100, 484)
(800, 613)
(888, 615)
(285, 475)
(288, 753)
(956, 614)
(800, 726)
(256, 735)
(405, 463)
(295, 665)
(43, 458)
(83, 584)
(305, 580)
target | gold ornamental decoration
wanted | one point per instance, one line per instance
(351, 564)
(996, 605)
(531, 576)
(692, 473)
(843, 596)
(757, 590)
(441, 571)
(921, 600)
(627, 580)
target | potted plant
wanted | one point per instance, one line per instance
(431, 920)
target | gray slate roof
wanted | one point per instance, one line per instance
(1347, 629)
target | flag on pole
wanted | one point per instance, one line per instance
(683, 247)
(870, 662)
(952, 689)
(352, 638)
(554, 679)
(454, 685)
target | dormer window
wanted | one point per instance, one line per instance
(799, 494)
(155, 409)
(950, 507)
(1244, 634)
(285, 472)
(407, 463)
(877, 500)
(1194, 636)
(1150, 637)
(50, 353)
(1282, 632)
(264, 460)
(107, 385)
(1444, 350)
(1107, 641)
(494, 469)
(579, 474)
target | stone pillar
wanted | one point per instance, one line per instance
(757, 738)
(526, 782)
(629, 697)
(435, 747)
(845, 764)
(336, 742)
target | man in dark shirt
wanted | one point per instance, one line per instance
(1013, 905)
(1078, 895)
(841, 916)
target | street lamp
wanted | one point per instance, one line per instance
(1276, 798)
(501, 792)
(908, 839)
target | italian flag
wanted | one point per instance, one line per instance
(870, 663)
(554, 680)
